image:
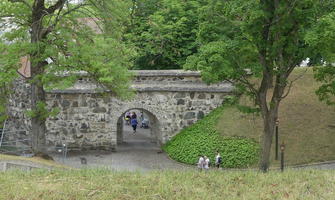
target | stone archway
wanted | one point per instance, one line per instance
(89, 120)
(154, 126)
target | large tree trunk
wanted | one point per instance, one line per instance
(37, 34)
(38, 126)
(269, 114)
(269, 124)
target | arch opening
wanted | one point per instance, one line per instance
(147, 131)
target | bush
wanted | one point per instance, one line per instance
(201, 138)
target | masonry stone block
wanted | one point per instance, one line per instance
(75, 104)
(99, 110)
(83, 102)
(65, 103)
(189, 115)
(192, 95)
(84, 126)
(181, 102)
(200, 115)
(190, 122)
(64, 131)
(180, 95)
(202, 96)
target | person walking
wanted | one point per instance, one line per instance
(206, 163)
(201, 162)
(141, 116)
(134, 124)
(133, 115)
(127, 118)
(218, 160)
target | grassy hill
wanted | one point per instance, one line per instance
(307, 126)
(105, 184)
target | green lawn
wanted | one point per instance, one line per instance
(307, 126)
(191, 184)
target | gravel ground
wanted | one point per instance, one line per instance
(137, 153)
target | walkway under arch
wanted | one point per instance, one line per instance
(152, 134)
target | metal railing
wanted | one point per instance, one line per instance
(11, 146)
(63, 149)
(3, 132)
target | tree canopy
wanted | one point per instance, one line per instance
(322, 39)
(164, 32)
(72, 38)
(61, 40)
(265, 39)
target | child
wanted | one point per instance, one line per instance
(201, 162)
(218, 160)
(207, 163)
(127, 118)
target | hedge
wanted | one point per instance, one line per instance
(201, 138)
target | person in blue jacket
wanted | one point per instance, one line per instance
(134, 123)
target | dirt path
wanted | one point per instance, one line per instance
(137, 153)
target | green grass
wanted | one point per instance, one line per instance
(307, 126)
(105, 185)
(201, 138)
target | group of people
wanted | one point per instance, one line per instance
(131, 119)
(204, 162)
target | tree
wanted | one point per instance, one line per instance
(63, 39)
(257, 38)
(322, 39)
(164, 32)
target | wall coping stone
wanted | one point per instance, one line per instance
(155, 85)
(147, 89)
(151, 73)
(165, 73)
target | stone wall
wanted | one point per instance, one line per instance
(18, 123)
(89, 120)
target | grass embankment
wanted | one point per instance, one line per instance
(202, 138)
(106, 185)
(307, 126)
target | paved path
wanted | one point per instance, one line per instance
(138, 153)
(330, 165)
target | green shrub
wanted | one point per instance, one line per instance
(201, 138)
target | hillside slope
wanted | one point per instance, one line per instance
(307, 126)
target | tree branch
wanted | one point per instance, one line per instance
(59, 17)
(291, 82)
(74, 8)
(290, 9)
(56, 6)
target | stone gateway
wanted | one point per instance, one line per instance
(172, 99)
